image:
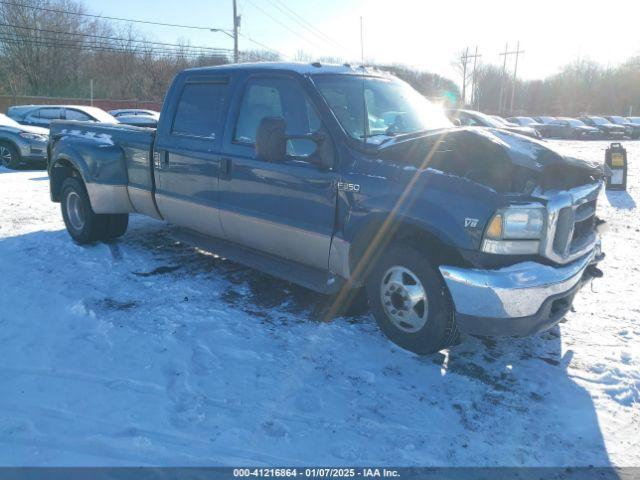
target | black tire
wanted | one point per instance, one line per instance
(117, 225)
(9, 155)
(439, 331)
(74, 204)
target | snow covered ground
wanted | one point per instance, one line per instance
(148, 352)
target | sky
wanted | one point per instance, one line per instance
(428, 35)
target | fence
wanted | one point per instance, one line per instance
(7, 101)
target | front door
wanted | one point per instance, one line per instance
(187, 156)
(286, 207)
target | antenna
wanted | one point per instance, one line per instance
(365, 122)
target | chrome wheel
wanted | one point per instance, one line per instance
(75, 210)
(404, 299)
(5, 156)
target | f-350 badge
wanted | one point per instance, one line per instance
(348, 187)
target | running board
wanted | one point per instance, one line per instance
(321, 281)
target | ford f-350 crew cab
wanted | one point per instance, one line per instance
(336, 178)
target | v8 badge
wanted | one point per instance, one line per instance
(471, 222)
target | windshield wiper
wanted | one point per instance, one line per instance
(388, 135)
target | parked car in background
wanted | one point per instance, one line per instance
(565, 127)
(137, 116)
(22, 144)
(504, 121)
(543, 122)
(544, 119)
(632, 129)
(472, 118)
(608, 129)
(42, 115)
(527, 122)
(127, 112)
(634, 120)
(140, 120)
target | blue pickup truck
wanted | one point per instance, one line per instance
(340, 178)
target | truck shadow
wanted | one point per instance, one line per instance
(550, 416)
(621, 199)
(526, 398)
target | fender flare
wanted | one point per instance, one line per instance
(426, 236)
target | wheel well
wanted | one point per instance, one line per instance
(363, 253)
(60, 171)
(10, 143)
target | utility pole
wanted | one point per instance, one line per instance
(515, 72)
(464, 60)
(236, 22)
(503, 95)
(473, 80)
(504, 73)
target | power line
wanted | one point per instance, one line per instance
(102, 45)
(261, 44)
(119, 19)
(282, 24)
(122, 39)
(305, 24)
(99, 47)
(131, 20)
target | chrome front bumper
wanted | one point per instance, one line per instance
(516, 300)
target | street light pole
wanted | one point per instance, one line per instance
(235, 32)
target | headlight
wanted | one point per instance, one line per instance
(515, 231)
(34, 136)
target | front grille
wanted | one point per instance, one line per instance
(571, 230)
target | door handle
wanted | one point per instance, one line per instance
(225, 167)
(160, 159)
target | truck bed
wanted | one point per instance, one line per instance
(115, 157)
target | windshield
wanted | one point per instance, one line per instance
(635, 120)
(8, 122)
(392, 106)
(575, 123)
(618, 120)
(525, 120)
(600, 121)
(486, 120)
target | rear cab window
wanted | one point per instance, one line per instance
(200, 108)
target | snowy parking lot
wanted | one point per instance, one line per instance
(149, 352)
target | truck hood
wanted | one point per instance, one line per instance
(482, 153)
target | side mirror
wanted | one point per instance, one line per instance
(271, 141)
(456, 122)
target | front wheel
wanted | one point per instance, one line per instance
(410, 301)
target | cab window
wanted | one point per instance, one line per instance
(200, 108)
(277, 97)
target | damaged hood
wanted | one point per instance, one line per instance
(523, 151)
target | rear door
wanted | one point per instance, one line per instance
(187, 154)
(286, 207)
